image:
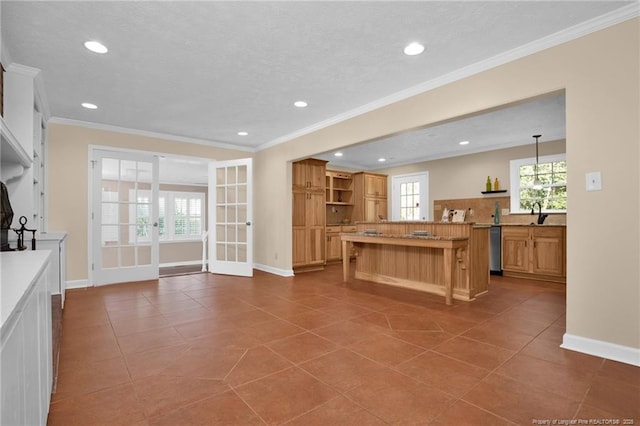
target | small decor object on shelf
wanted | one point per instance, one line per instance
(6, 217)
(488, 184)
(496, 185)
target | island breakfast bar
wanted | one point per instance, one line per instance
(447, 259)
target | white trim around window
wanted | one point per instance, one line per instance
(514, 175)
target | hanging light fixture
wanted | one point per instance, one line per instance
(536, 182)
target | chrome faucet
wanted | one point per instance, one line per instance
(541, 216)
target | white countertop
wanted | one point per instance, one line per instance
(18, 272)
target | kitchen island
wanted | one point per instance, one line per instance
(448, 259)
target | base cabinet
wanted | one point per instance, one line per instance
(57, 243)
(25, 340)
(534, 252)
(334, 243)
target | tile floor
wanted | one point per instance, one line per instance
(310, 350)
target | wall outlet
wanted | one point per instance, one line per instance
(505, 212)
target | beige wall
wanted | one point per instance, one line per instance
(600, 75)
(68, 176)
(465, 176)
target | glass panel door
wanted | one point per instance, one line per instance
(124, 217)
(230, 210)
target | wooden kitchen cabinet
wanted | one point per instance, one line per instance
(370, 197)
(536, 252)
(375, 185)
(309, 217)
(309, 174)
(334, 243)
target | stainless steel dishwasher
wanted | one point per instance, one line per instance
(495, 250)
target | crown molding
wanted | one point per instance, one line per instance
(587, 27)
(137, 132)
(23, 69)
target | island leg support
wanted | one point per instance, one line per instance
(449, 265)
(345, 261)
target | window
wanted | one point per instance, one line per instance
(552, 173)
(179, 215)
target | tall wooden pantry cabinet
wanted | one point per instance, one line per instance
(309, 215)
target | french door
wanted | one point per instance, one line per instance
(124, 217)
(230, 216)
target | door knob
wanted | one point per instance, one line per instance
(248, 223)
(155, 224)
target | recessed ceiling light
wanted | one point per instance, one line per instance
(96, 46)
(242, 133)
(464, 142)
(382, 160)
(88, 105)
(413, 49)
(338, 154)
(300, 104)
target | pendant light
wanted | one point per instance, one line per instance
(536, 182)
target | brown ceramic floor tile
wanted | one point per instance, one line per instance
(338, 411)
(271, 330)
(212, 366)
(443, 373)
(126, 304)
(285, 395)
(181, 317)
(124, 326)
(151, 339)
(222, 409)
(621, 399)
(302, 347)
(163, 394)
(550, 350)
(518, 402)
(475, 353)
(343, 369)
(255, 364)
(463, 414)
(117, 406)
(226, 339)
(79, 379)
(205, 362)
(399, 400)
(412, 322)
(549, 376)
(310, 319)
(499, 336)
(624, 373)
(386, 350)
(424, 339)
(347, 332)
(149, 363)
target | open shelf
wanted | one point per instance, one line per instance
(499, 191)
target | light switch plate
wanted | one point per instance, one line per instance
(594, 181)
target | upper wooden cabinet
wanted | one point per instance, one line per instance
(534, 251)
(309, 174)
(370, 197)
(339, 187)
(375, 185)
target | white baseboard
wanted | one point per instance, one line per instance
(615, 352)
(272, 270)
(185, 263)
(77, 284)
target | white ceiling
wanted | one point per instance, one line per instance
(206, 70)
